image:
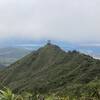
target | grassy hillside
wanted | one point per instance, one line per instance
(51, 69)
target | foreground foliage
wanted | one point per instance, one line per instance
(90, 91)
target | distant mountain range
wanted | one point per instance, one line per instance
(92, 50)
(9, 55)
(19, 49)
(50, 69)
(2, 66)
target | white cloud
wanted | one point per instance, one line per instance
(71, 20)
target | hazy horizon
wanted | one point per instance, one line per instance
(75, 21)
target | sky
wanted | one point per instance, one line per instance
(75, 21)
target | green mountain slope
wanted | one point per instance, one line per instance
(50, 69)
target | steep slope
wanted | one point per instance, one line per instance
(50, 68)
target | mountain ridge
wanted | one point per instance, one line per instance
(50, 68)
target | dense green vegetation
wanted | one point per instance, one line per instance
(52, 72)
(7, 94)
(90, 91)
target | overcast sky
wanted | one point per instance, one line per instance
(71, 20)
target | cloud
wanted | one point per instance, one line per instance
(70, 20)
(90, 45)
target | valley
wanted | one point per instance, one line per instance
(9, 55)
